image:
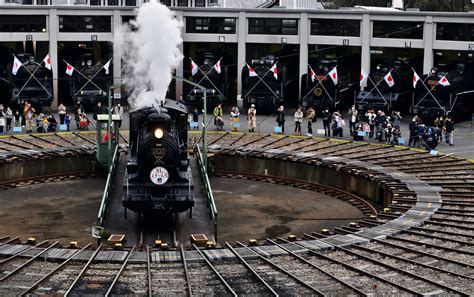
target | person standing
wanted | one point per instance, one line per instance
(78, 111)
(449, 129)
(281, 118)
(252, 118)
(118, 110)
(29, 113)
(327, 122)
(62, 113)
(298, 119)
(352, 119)
(371, 121)
(340, 126)
(195, 118)
(397, 119)
(3, 121)
(310, 116)
(9, 117)
(234, 114)
(218, 120)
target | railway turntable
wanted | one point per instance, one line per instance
(416, 241)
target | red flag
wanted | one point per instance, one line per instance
(444, 81)
(312, 74)
(47, 62)
(252, 72)
(416, 78)
(69, 69)
(194, 68)
(389, 79)
(275, 70)
(333, 75)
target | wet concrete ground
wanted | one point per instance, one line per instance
(251, 209)
(63, 211)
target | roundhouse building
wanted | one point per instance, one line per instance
(67, 28)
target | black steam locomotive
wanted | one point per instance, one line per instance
(88, 83)
(33, 82)
(263, 90)
(382, 96)
(158, 176)
(455, 100)
(210, 79)
(320, 93)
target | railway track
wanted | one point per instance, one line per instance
(431, 257)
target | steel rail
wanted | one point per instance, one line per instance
(65, 139)
(27, 142)
(411, 261)
(17, 269)
(277, 267)
(332, 276)
(22, 252)
(226, 285)
(217, 139)
(9, 240)
(186, 272)
(14, 145)
(49, 274)
(46, 140)
(84, 138)
(360, 271)
(275, 141)
(148, 272)
(443, 222)
(430, 245)
(421, 229)
(119, 273)
(254, 273)
(81, 273)
(464, 242)
(10, 183)
(377, 262)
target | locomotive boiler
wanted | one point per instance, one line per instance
(33, 82)
(158, 175)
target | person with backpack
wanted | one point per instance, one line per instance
(311, 117)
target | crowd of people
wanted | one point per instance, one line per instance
(25, 118)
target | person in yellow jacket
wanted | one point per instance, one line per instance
(218, 117)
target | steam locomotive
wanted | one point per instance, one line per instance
(455, 100)
(158, 175)
(210, 79)
(263, 90)
(33, 82)
(321, 93)
(382, 96)
(88, 83)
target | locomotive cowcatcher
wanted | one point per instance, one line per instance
(158, 177)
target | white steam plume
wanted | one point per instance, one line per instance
(150, 53)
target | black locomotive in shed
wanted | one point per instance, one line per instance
(32, 82)
(158, 177)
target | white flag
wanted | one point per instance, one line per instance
(363, 78)
(217, 66)
(69, 69)
(47, 62)
(333, 75)
(252, 72)
(416, 78)
(444, 81)
(274, 71)
(389, 79)
(194, 68)
(106, 67)
(16, 65)
(312, 74)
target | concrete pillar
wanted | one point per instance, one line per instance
(241, 55)
(304, 33)
(53, 25)
(179, 69)
(116, 55)
(366, 34)
(428, 38)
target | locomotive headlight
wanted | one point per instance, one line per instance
(159, 133)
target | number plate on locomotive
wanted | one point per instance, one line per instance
(158, 151)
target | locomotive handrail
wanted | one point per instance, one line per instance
(108, 188)
(207, 190)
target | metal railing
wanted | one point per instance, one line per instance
(108, 188)
(207, 190)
